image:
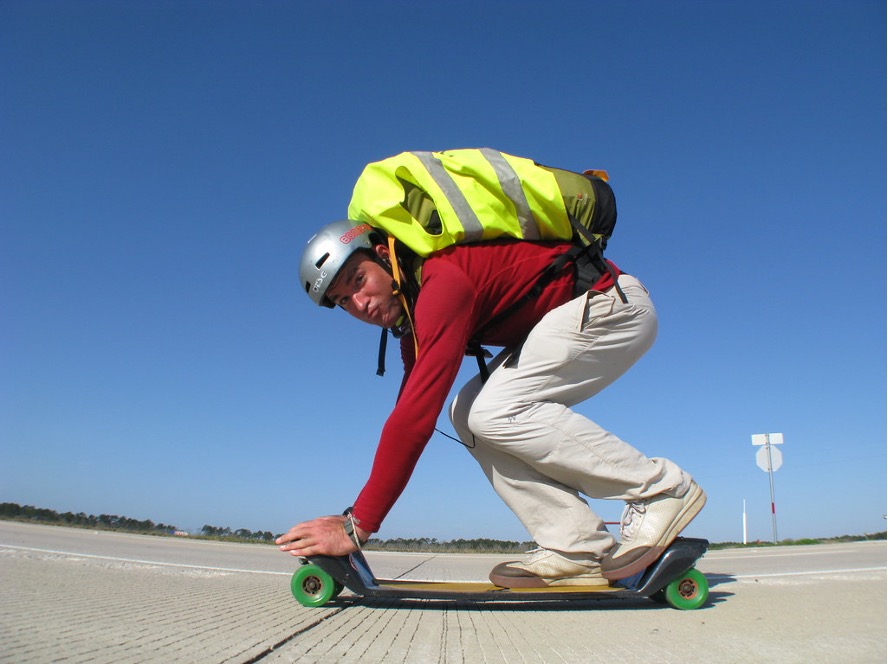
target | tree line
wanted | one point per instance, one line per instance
(432, 545)
(15, 512)
(29, 513)
(12, 511)
(216, 532)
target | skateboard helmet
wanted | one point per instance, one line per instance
(326, 253)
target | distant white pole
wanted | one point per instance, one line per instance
(769, 459)
(771, 478)
(744, 520)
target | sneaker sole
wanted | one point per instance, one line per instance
(690, 510)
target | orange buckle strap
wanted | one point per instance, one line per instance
(396, 275)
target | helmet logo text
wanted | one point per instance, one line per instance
(320, 280)
(354, 232)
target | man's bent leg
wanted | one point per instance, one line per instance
(574, 352)
(574, 539)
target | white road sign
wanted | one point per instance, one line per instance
(761, 458)
(765, 438)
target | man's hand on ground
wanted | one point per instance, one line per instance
(322, 536)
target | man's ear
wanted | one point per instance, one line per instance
(382, 251)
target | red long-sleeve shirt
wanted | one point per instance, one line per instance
(463, 288)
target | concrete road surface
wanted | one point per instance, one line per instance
(72, 595)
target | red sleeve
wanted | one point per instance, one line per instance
(444, 322)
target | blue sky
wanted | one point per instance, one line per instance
(163, 164)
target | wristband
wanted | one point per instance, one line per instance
(350, 525)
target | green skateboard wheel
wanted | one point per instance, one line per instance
(312, 586)
(689, 591)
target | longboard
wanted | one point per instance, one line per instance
(671, 578)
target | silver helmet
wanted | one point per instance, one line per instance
(327, 252)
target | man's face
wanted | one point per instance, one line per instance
(363, 288)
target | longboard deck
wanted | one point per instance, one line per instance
(476, 587)
(674, 568)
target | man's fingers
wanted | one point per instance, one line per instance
(299, 552)
(297, 541)
(295, 534)
(321, 536)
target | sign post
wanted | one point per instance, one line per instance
(769, 459)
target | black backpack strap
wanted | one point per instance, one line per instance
(604, 217)
(380, 360)
(613, 274)
(594, 252)
(481, 354)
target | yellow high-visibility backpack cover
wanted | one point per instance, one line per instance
(431, 200)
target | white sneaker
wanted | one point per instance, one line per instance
(648, 527)
(543, 568)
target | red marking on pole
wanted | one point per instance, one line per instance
(773, 509)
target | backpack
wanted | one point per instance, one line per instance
(431, 200)
(427, 201)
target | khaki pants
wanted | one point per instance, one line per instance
(538, 454)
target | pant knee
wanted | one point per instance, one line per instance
(489, 423)
(460, 409)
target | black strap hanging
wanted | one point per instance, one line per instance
(593, 250)
(481, 356)
(380, 362)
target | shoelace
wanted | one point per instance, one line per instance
(631, 519)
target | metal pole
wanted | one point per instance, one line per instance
(771, 478)
(744, 521)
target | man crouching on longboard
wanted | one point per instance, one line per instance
(560, 348)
